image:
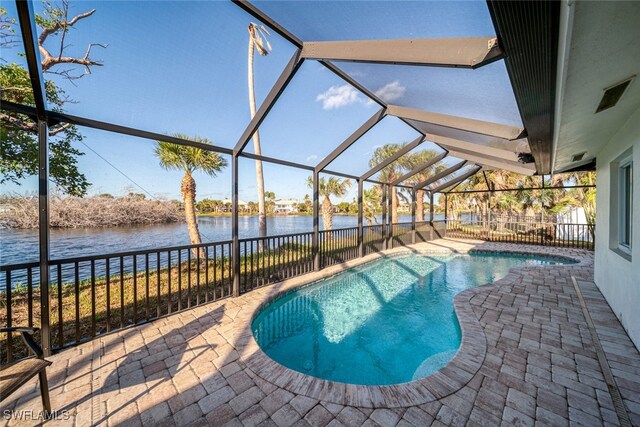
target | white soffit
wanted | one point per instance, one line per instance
(604, 50)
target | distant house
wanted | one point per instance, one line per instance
(286, 206)
(572, 227)
(404, 206)
(227, 203)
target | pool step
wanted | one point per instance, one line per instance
(432, 363)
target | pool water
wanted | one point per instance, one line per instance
(386, 322)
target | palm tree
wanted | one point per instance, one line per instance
(414, 160)
(327, 188)
(371, 199)
(189, 160)
(270, 201)
(390, 173)
(256, 42)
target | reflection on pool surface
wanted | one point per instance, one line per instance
(387, 322)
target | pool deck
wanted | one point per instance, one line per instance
(527, 358)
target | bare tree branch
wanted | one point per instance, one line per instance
(60, 128)
(8, 37)
(27, 126)
(30, 125)
(49, 61)
(64, 33)
(85, 61)
(63, 25)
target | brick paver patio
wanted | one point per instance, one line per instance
(536, 365)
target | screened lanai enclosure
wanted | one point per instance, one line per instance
(473, 89)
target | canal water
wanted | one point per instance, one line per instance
(20, 246)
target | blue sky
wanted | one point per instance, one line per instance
(181, 67)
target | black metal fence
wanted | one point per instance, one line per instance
(94, 295)
(338, 246)
(580, 236)
(271, 259)
(373, 238)
(401, 234)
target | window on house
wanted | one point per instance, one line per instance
(621, 205)
(625, 185)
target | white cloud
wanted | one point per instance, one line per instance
(341, 96)
(391, 92)
(338, 96)
(312, 157)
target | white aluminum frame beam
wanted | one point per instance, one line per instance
(420, 168)
(457, 180)
(521, 168)
(472, 148)
(464, 52)
(436, 177)
(386, 162)
(461, 123)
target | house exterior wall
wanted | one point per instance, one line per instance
(618, 278)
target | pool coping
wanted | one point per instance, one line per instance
(447, 380)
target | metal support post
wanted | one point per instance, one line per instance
(234, 226)
(413, 216)
(431, 213)
(360, 236)
(43, 223)
(316, 213)
(384, 216)
(390, 216)
(446, 206)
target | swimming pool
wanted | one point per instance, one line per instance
(387, 322)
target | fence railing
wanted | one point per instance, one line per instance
(93, 295)
(373, 238)
(401, 234)
(548, 234)
(271, 259)
(338, 246)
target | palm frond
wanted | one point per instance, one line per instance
(189, 159)
(256, 33)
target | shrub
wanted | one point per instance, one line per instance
(79, 212)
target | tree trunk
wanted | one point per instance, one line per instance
(420, 205)
(188, 190)
(394, 205)
(327, 213)
(262, 210)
